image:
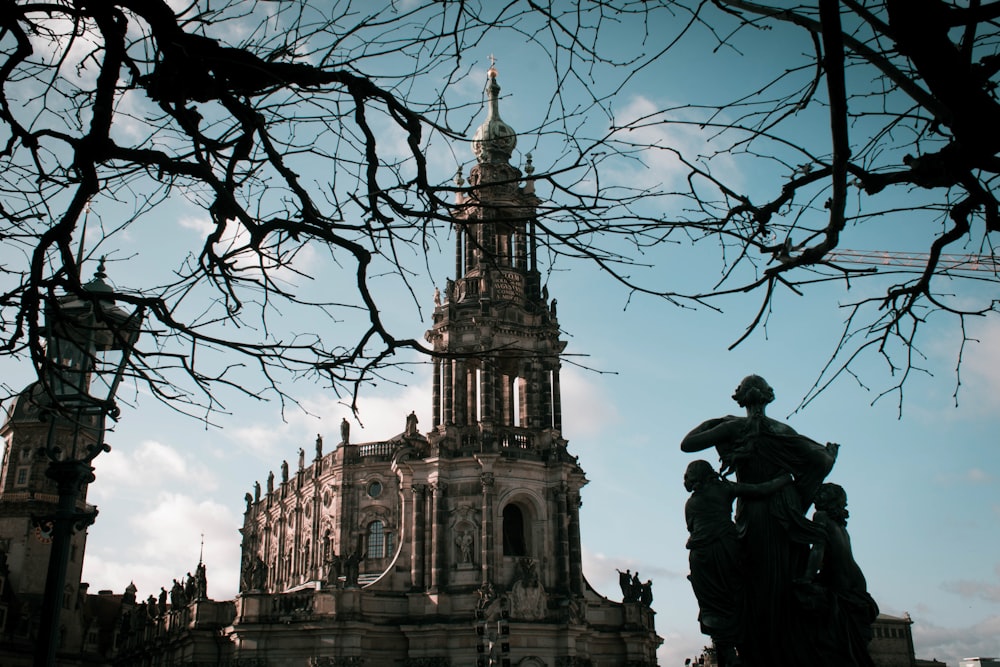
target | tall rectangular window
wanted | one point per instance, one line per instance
(376, 540)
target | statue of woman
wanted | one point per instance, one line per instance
(774, 532)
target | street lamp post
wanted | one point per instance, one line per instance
(88, 344)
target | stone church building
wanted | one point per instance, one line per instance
(454, 546)
(459, 545)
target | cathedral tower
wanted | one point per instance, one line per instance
(459, 545)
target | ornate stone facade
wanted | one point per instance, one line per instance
(460, 545)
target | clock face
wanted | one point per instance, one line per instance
(375, 489)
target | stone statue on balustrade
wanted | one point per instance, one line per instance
(771, 540)
(333, 572)
(352, 566)
(258, 574)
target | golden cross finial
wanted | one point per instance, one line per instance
(493, 67)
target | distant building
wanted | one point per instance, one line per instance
(891, 646)
(892, 641)
(88, 623)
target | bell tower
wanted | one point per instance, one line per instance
(388, 549)
(495, 330)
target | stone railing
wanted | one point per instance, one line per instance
(375, 451)
(508, 440)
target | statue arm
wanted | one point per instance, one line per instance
(762, 489)
(818, 550)
(710, 433)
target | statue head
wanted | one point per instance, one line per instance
(830, 496)
(696, 473)
(753, 390)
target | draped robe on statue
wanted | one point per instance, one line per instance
(774, 533)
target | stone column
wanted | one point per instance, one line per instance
(486, 538)
(556, 401)
(436, 393)
(461, 392)
(438, 535)
(575, 551)
(507, 395)
(449, 386)
(562, 537)
(545, 399)
(419, 538)
(486, 393)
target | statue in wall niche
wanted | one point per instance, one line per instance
(771, 538)
(528, 600)
(465, 542)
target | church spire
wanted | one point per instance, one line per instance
(495, 140)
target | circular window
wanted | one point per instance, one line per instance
(375, 489)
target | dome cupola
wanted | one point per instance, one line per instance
(495, 140)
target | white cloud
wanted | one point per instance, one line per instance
(298, 259)
(586, 405)
(969, 589)
(952, 644)
(169, 532)
(150, 466)
(660, 134)
(981, 365)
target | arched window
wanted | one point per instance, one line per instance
(514, 542)
(376, 540)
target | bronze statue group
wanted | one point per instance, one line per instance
(774, 588)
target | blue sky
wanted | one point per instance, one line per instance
(922, 480)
